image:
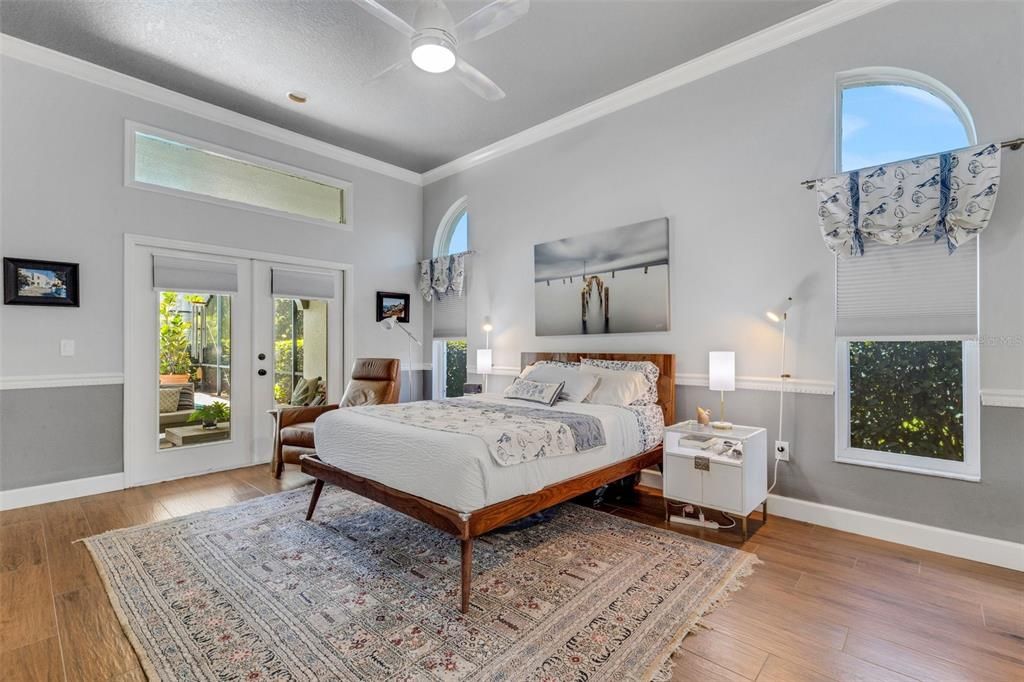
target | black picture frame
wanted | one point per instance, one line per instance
(17, 291)
(386, 306)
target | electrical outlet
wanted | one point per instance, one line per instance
(782, 450)
(67, 348)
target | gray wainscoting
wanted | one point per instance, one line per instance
(49, 435)
(992, 508)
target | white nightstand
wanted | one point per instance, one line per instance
(702, 478)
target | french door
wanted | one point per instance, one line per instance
(213, 343)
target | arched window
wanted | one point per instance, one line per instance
(906, 381)
(450, 345)
(889, 114)
(453, 231)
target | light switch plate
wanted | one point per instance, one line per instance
(67, 347)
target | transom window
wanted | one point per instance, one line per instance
(889, 115)
(907, 373)
(170, 163)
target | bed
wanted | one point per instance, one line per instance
(451, 481)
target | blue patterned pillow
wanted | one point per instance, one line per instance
(534, 391)
(648, 369)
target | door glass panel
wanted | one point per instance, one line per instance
(194, 341)
(300, 351)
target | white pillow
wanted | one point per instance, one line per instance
(577, 384)
(615, 386)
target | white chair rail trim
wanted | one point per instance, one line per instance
(59, 380)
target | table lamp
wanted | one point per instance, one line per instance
(721, 377)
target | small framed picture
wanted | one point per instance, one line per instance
(392, 305)
(40, 282)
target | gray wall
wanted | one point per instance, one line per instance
(59, 434)
(63, 198)
(722, 157)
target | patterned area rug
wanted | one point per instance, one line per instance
(254, 592)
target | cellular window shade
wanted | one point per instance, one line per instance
(195, 276)
(450, 317)
(914, 289)
(299, 284)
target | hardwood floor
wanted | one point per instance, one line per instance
(825, 605)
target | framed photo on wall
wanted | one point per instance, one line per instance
(392, 305)
(604, 282)
(40, 282)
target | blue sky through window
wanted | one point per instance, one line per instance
(460, 235)
(883, 123)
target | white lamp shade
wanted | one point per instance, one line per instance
(483, 360)
(722, 370)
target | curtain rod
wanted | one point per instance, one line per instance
(1012, 145)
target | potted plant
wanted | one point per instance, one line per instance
(211, 414)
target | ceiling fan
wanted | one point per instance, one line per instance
(435, 39)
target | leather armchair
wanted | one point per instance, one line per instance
(375, 381)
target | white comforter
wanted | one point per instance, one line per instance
(457, 470)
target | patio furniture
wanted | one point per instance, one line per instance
(185, 408)
(375, 381)
(196, 434)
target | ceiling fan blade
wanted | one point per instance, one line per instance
(477, 82)
(388, 71)
(387, 16)
(491, 18)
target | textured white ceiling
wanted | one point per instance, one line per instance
(245, 55)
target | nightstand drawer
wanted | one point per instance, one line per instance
(723, 487)
(681, 481)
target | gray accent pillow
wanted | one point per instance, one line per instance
(534, 391)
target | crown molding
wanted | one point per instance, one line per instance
(38, 55)
(779, 35)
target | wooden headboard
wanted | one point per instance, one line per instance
(666, 362)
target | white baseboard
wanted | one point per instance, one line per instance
(64, 490)
(952, 542)
(932, 538)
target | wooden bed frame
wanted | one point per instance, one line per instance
(469, 525)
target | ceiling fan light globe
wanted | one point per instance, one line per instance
(432, 55)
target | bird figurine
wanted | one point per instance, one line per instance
(703, 416)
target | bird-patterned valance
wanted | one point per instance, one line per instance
(948, 197)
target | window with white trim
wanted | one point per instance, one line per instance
(907, 394)
(166, 162)
(450, 344)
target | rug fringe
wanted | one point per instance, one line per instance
(732, 584)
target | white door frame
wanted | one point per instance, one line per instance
(132, 241)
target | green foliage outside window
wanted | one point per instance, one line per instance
(907, 397)
(455, 364)
(175, 343)
(283, 377)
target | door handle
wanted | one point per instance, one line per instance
(262, 372)
(261, 356)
